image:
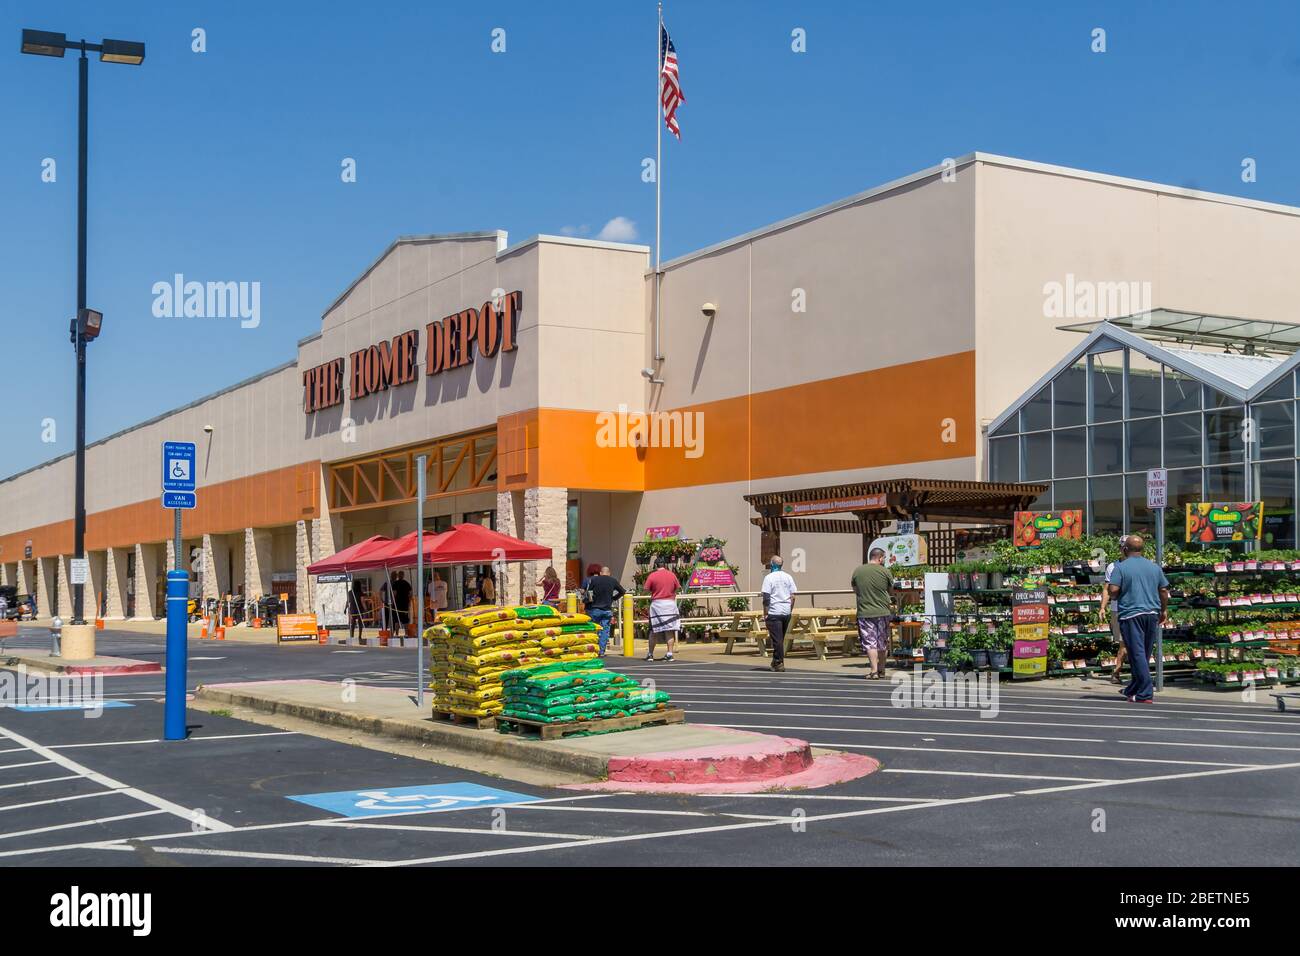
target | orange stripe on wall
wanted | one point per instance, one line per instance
(888, 416)
(279, 497)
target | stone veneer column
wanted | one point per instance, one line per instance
(216, 557)
(65, 587)
(257, 562)
(302, 552)
(509, 513)
(115, 583)
(327, 530)
(4, 575)
(546, 522)
(96, 584)
(25, 584)
(146, 579)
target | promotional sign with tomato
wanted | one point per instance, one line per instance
(1217, 521)
(1032, 528)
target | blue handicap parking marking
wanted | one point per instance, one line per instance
(419, 799)
(91, 705)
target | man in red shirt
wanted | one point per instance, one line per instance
(664, 617)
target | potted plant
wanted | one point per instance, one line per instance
(1000, 649)
(977, 646)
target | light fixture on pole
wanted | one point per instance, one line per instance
(87, 324)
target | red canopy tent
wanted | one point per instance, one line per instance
(351, 558)
(400, 552)
(474, 544)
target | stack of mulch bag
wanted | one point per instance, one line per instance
(470, 650)
(574, 691)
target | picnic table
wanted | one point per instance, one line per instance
(815, 625)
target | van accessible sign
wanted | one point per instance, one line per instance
(450, 343)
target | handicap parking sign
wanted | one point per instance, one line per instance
(418, 799)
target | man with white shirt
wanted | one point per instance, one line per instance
(778, 601)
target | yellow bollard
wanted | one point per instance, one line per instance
(572, 603)
(625, 627)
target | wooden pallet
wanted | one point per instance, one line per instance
(482, 723)
(544, 731)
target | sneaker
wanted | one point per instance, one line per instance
(778, 667)
(1135, 700)
(649, 657)
(668, 657)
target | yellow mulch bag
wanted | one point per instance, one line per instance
(491, 627)
(471, 618)
(487, 710)
(575, 618)
(581, 656)
(478, 694)
(472, 681)
(538, 623)
(565, 640)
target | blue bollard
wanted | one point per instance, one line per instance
(178, 597)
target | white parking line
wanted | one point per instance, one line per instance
(1173, 743)
(843, 815)
(80, 823)
(67, 763)
(1017, 753)
(934, 718)
(41, 803)
(355, 825)
(15, 766)
(1000, 776)
(156, 740)
(32, 783)
(255, 855)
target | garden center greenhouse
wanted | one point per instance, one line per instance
(1210, 398)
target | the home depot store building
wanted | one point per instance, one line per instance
(866, 339)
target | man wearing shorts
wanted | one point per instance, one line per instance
(871, 586)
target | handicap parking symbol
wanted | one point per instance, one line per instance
(418, 799)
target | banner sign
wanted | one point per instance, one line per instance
(1029, 658)
(296, 628)
(1032, 528)
(662, 532)
(1030, 614)
(1213, 522)
(832, 505)
(905, 550)
(710, 569)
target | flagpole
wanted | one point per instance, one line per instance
(659, 168)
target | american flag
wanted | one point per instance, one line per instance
(670, 88)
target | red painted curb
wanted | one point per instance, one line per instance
(826, 770)
(752, 759)
(108, 670)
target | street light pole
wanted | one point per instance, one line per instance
(86, 325)
(79, 508)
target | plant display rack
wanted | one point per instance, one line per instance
(680, 554)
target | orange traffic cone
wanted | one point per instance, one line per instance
(203, 629)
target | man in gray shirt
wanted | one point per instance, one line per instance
(1141, 593)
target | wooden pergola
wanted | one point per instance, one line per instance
(939, 502)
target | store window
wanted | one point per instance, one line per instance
(1143, 444)
(1107, 448)
(1182, 440)
(1037, 413)
(1107, 387)
(1071, 455)
(1071, 391)
(1141, 519)
(1182, 394)
(1143, 385)
(1280, 389)
(1184, 486)
(1226, 483)
(1106, 505)
(1274, 430)
(1070, 494)
(1004, 459)
(1275, 486)
(1223, 436)
(1216, 399)
(1037, 453)
(573, 531)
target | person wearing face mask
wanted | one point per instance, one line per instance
(778, 592)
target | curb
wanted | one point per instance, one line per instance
(78, 670)
(447, 736)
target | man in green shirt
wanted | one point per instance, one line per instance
(871, 585)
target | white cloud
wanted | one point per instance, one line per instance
(575, 230)
(618, 229)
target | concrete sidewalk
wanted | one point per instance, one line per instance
(677, 758)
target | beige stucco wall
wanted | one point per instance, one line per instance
(1204, 255)
(885, 281)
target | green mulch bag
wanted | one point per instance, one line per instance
(529, 611)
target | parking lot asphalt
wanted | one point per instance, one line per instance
(1054, 779)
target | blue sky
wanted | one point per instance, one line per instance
(225, 165)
